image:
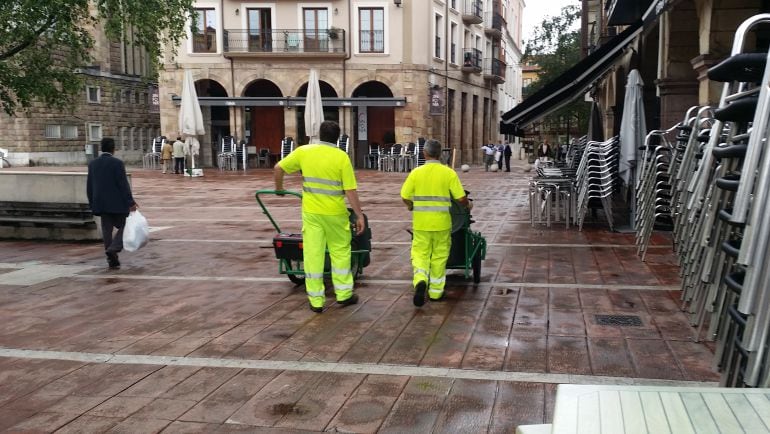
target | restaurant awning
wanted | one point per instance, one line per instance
(578, 79)
(293, 101)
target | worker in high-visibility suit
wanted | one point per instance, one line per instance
(327, 178)
(428, 192)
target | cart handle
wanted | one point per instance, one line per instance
(277, 193)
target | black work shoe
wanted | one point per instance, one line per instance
(352, 300)
(112, 261)
(419, 293)
(316, 309)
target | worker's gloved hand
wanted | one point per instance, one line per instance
(360, 224)
(470, 205)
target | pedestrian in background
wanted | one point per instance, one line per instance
(165, 155)
(109, 196)
(428, 192)
(178, 153)
(499, 156)
(327, 178)
(489, 156)
(507, 152)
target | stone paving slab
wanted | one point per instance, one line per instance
(199, 333)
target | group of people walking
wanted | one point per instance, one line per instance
(497, 154)
(327, 179)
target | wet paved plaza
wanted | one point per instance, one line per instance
(199, 333)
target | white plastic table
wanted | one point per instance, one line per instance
(659, 410)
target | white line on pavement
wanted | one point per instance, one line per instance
(407, 243)
(406, 283)
(344, 368)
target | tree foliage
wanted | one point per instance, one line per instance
(555, 47)
(44, 42)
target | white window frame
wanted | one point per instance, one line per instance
(90, 136)
(324, 5)
(245, 16)
(357, 32)
(52, 131)
(435, 34)
(220, 30)
(98, 94)
(453, 40)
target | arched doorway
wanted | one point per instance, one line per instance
(219, 117)
(379, 122)
(266, 126)
(330, 113)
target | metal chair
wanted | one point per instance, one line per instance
(373, 157)
(227, 157)
(151, 160)
(287, 145)
(263, 157)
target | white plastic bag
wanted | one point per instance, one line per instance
(136, 233)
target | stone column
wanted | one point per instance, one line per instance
(290, 123)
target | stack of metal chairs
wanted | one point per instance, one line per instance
(552, 190)
(720, 189)
(597, 178)
(227, 158)
(151, 160)
(653, 198)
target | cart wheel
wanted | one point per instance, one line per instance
(476, 268)
(296, 279)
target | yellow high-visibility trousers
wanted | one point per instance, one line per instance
(430, 251)
(318, 232)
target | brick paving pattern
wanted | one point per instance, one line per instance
(205, 302)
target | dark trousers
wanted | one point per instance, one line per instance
(507, 163)
(500, 164)
(113, 243)
(178, 164)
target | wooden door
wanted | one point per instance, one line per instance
(267, 128)
(379, 121)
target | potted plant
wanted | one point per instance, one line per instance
(334, 33)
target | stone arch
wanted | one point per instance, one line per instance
(262, 87)
(384, 80)
(380, 121)
(372, 89)
(267, 120)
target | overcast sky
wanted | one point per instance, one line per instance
(536, 10)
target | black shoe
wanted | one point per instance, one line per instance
(352, 300)
(316, 309)
(112, 261)
(419, 293)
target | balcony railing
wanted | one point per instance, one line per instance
(285, 41)
(494, 24)
(471, 60)
(472, 11)
(494, 69)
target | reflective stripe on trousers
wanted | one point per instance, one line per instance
(430, 251)
(318, 231)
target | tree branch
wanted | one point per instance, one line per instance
(30, 40)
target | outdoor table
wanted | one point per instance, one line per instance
(660, 409)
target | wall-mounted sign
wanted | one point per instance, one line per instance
(436, 101)
(362, 124)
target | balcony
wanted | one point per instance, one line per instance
(494, 70)
(285, 43)
(493, 25)
(471, 60)
(472, 10)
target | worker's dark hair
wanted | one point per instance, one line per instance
(432, 149)
(330, 131)
(179, 138)
(108, 145)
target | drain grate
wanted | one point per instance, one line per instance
(619, 320)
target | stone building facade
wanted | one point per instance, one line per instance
(116, 101)
(390, 71)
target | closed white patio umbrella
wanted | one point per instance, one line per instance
(190, 117)
(314, 111)
(633, 127)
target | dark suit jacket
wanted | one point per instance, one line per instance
(107, 186)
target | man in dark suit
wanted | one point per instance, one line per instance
(507, 152)
(109, 196)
